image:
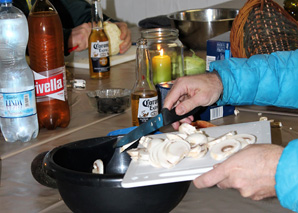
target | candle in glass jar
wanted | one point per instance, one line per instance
(161, 66)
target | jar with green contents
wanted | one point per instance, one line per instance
(166, 53)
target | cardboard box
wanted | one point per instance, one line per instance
(218, 48)
(215, 112)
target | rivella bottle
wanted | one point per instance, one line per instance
(46, 53)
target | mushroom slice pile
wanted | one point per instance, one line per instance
(168, 152)
(188, 142)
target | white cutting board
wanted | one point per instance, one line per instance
(81, 59)
(143, 174)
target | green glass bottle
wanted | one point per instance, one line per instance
(292, 7)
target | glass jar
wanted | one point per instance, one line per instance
(166, 53)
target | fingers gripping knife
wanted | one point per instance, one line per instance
(166, 117)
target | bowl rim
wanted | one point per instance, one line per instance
(89, 93)
(171, 16)
(60, 173)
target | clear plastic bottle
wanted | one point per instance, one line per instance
(18, 118)
(144, 98)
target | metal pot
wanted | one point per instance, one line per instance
(198, 25)
(71, 165)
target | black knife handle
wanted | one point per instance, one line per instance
(170, 116)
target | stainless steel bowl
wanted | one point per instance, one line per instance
(198, 25)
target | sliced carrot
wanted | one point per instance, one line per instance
(202, 124)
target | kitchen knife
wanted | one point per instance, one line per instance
(164, 118)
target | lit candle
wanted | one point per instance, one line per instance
(161, 66)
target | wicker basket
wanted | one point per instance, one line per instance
(263, 27)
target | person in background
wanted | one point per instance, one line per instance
(75, 16)
(260, 170)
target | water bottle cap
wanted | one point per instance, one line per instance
(5, 1)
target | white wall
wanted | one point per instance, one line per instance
(132, 11)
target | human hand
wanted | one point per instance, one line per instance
(189, 92)
(79, 37)
(125, 36)
(251, 171)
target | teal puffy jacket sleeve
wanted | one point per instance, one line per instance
(260, 80)
(286, 177)
(270, 80)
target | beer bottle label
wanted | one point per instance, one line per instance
(17, 104)
(148, 108)
(100, 56)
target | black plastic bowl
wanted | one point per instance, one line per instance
(71, 165)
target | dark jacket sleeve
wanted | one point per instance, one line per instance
(72, 14)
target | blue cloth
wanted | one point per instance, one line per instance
(287, 177)
(267, 80)
(260, 80)
(125, 131)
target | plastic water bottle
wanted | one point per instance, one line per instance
(18, 118)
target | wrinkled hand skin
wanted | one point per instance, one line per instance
(125, 36)
(79, 37)
(189, 92)
(251, 171)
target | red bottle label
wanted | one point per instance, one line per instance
(50, 83)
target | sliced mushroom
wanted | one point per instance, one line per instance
(175, 151)
(98, 167)
(172, 136)
(153, 155)
(186, 128)
(154, 142)
(196, 139)
(198, 151)
(145, 140)
(224, 149)
(182, 135)
(250, 139)
(123, 148)
(138, 154)
(220, 139)
(162, 157)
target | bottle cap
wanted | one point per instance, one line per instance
(5, 1)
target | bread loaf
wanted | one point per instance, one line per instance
(113, 33)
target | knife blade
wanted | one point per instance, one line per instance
(164, 118)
